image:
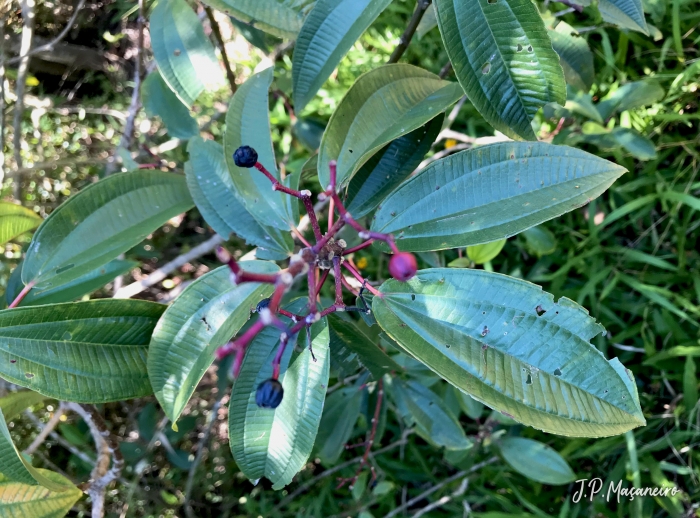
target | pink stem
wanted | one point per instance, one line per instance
(359, 277)
(21, 295)
(358, 247)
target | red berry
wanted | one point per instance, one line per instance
(403, 266)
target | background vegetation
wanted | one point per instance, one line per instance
(632, 257)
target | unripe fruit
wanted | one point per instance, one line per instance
(403, 266)
(245, 156)
(269, 394)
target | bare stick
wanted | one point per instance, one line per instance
(48, 428)
(442, 501)
(22, 71)
(107, 446)
(407, 36)
(222, 47)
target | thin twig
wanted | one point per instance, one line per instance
(21, 83)
(222, 47)
(87, 459)
(46, 430)
(161, 273)
(211, 421)
(407, 36)
(442, 501)
(50, 45)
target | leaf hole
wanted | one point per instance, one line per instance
(540, 311)
(486, 68)
(519, 48)
(484, 331)
(413, 296)
(492, 1)
(557, 372)
(528, 380)
(350, 150)
(13, 361)
(448, 345)
(605, 391)
(28, 375)
(62, 269)
(529, 48)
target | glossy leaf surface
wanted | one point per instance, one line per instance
(159, 100)
(281, 18)
(628, 14)
(575, 56)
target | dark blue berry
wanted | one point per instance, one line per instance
(269, 394)
(262, 305)
(245, 156)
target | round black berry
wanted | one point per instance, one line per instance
(245, 156)
(262, 305)
(269, 394)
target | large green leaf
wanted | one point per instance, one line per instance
(16, 220)
(382, 105)
(159, 100)
(536, 461)
(72, 290)
(339, 417)
(277, 443)
(628, 14)
(87, 352)
(385, 171)
(248, 124)
(22, 500)
(433, 421)
(100, 222)
(355, 337)
(490, 193)
(282, 18)
(575, 56)
(216, 198)
(330, 30)
(15, 468)
(185, 57)
(629, 96)
(509, 345)
(15, 402)
(204, 317)
(504, 60)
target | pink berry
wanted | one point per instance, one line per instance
(403, 266)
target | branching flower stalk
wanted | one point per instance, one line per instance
(315, 261)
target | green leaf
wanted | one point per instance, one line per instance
(630, 96)
(385, 171)
(381, 106)
(102, 221)
(12, 404)
(347, 334)
(329, 31)
(87, 352)
(22, 500)
(536, 461)
(490, 193)
(248, 124)
(72, 290)
(540, 240)
(582, 103)
(339, 417)
(468, 404)
(510, 346)
(503, 59)
(204, 317)
(638, 145)
(575, 56)
(185, 57)
(433, 421)
(690, 384)
(427, 23)
(628, 14)
(159, 100)
(309, 132)
(277, 443)
(16, 220)
(15, 468)
(481, 254)
(216, 198)
(282, 18)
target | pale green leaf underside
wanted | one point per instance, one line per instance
(329, 31)
(536, 461)
(159, 100)
(628, 14)
(381, 106)
(575, 56)
(281, 18)
(185, 57)
(487, 334)
(16, 220)
(216, 198)
(14, 468)
(207, 314)
(19, 500)
(428, 22)
(15, 402)
(248, 124)
(87, 352)
(490, 193)
(277, 443)
(100, 222)
(503, 59)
